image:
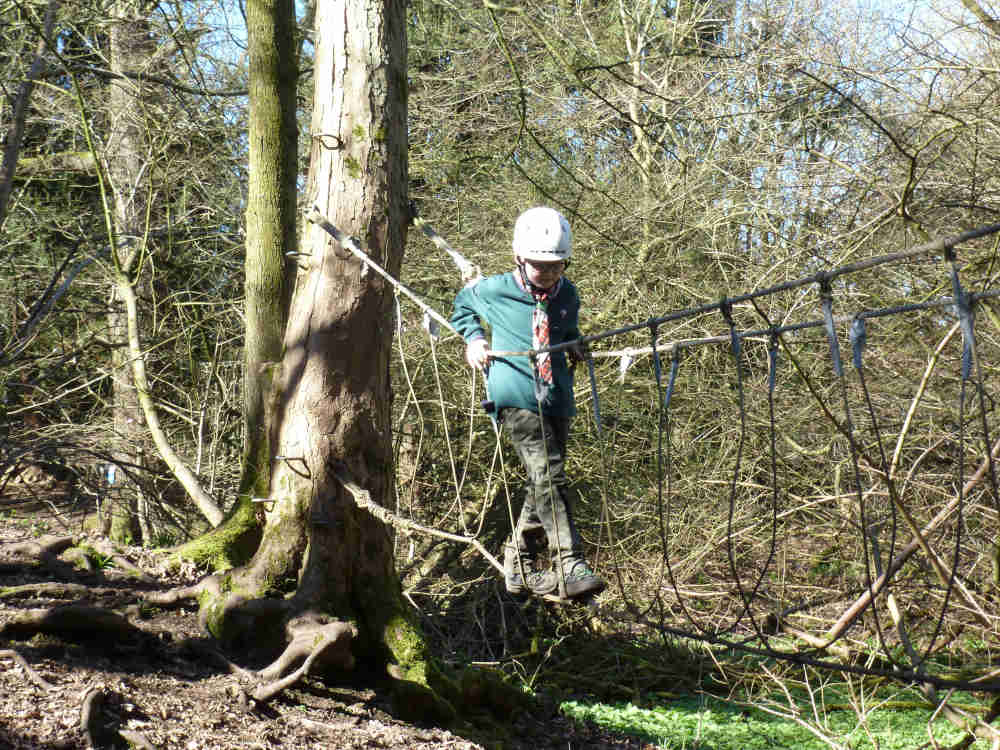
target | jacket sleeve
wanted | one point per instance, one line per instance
(468, 313)
(573, 329)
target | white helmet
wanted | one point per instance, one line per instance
(542, 234)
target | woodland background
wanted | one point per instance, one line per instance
(700, 149)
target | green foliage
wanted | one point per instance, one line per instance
(165, 538)
(100, 561)
(714, 724)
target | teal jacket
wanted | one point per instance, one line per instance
(500, 303)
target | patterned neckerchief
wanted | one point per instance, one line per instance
(540, 331)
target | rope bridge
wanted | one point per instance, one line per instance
(704, 497)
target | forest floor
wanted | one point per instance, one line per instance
(160, 686)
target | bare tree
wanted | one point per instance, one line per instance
(128, 157)
(15, 133)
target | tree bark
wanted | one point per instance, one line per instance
(334, 401)
(125, 157)
(271, 216)
(332, 408)
(269, 266)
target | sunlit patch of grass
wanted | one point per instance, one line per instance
(714, 724)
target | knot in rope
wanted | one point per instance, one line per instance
(859, 337)
(726, 308)
(825, 281)
(772, 353)
(826, 298)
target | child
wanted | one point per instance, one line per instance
(533, 307)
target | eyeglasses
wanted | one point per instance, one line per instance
(557, 267)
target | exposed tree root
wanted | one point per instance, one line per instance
(319, 640)
(45, 547)
(32, 674)
(204, 649)
(90, 716)
(41, 552)
(69, 620)
(106, 549)
(50, 589)
(177, 596)
(97, 730)
(45, 552)
(313, 640)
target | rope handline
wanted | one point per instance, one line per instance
(470, 273)
(946, 244)
(826, 302)
(349, 243)
(934, 246)
(881, 564)
(725, 307)
(758, 333)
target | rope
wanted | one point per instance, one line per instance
(351, 244)
(868, 533)
(882, 564)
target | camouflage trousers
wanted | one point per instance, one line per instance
(540, 442)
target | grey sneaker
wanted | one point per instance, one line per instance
(581, 580)
(538, 582)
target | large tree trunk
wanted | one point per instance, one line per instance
(331, 412)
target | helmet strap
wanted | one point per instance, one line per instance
(532, 287)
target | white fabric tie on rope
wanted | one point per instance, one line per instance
(349, 243)
(431, 326)
(624, 363)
